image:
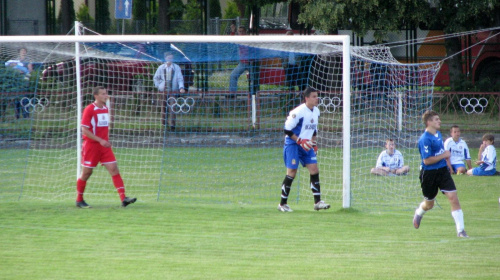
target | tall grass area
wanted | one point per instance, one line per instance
(185, 240)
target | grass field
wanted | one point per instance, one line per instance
(182, 240)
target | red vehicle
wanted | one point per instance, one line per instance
(120, 74)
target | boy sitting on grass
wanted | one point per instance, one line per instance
(487, 158)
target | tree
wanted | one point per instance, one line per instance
(83, 14)
(66, 16)
(231, 10)
(393, 15)
(215, 10)
(177, 9)
(102, 17)
(167, 11)
(361, 16)
(253, 8)
(163, 16)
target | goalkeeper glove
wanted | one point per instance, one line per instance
(306, 144)
(315, 147)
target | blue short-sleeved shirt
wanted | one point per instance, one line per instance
(430, 145)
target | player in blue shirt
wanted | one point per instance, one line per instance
(434, 174)
(301, 128)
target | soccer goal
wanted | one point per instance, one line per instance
(221, 139)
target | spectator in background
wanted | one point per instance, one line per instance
(459, 152)
(246, 63)
(390, 162)
(168, 79)
(486, 158)
(21, 63)
(232, 28)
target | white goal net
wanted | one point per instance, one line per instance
(220, 140)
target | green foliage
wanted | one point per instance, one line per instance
(193, 10)
(139, 10)
(70, 10)
(466, 15)
(83, 14)
(361, 16)
(215, 9)
(177, 9)
(231, 11)
(103, 21)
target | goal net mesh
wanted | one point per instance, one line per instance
(219, 141)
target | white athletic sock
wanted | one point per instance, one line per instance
(420, 211)
(458, 216)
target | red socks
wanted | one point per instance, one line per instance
(117, 181)
(119, 185)
(80, 188)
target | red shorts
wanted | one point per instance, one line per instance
(93, 153)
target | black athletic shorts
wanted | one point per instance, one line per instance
(433, 180)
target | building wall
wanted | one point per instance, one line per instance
(23, 21)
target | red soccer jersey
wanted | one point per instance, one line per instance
(97, 120)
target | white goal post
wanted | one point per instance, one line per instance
(365, 94)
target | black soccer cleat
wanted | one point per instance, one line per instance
(128, 201)
(82, 204)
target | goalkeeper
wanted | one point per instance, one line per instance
(301, 128)
(96, 148)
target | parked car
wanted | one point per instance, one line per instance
(119, 66)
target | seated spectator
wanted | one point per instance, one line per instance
(21, 63)
(232, 28)
(459, 152)
(390, 162)
(487, 158)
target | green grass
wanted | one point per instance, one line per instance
(179, 240)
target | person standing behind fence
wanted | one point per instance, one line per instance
(169, 80)
(23, 64)
(232, 29)
(459, 152)
(246, 63)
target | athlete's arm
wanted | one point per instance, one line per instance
(86, 131)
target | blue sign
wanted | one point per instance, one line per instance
(123, 9)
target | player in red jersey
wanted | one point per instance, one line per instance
(96, 147)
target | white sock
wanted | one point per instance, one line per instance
(420, 211)
(458, 216)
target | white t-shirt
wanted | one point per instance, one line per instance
(393, 162)
(458, 150)
(489, 156)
